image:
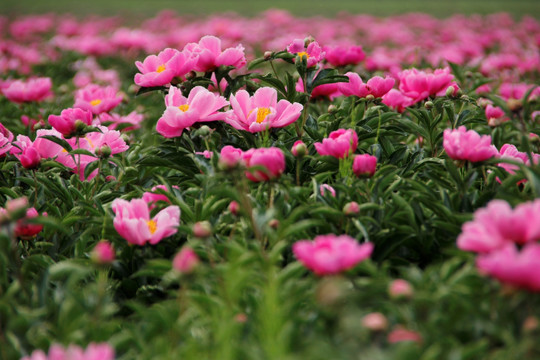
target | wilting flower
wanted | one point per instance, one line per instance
(133, 222)
(312, 51)
(209, 54)
(419, 85)
(364, 165)
(94, 351)
(186, 260)
(97, 99)
(461, 144)
(66, 123)
(36, 89)
(25, 229)
(376, 86)
(271, 162)
(158, 70)
(201, 105)
(340, 144)
(262, 111)
(331, 254)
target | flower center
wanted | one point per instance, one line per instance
(160, 68)
(95, 102)
(303, 53)
(152, 226)
(184, 107)
(262, 113)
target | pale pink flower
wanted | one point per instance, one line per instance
(340, 144)
(159, 70)
(65, 123)
(375, 321)
(97, 99)
(36, 89)
(419, 84)
(510, 152)
(331, 254)
(351, 208)
(200, 106)
(133, 222)
(264, 163)
(364, 165)
(262, 111)
(461, 144)
(210, 56)
(312, 52)
(341, 55)
(400, 288)
(510, 266)
(376, 86)
(133, 120)
(152, 197)
(186, 260)
(495, 115)
(323, 188)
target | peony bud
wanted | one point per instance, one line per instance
(202, 229)
(299, 149)
(450, 91)
(267, 55)
(274, 223)
(428, 105)
(103, 253)
(104, 151)
(375, 321)
(234, 207)
(351, 208)
(185, 261)
(400, 288)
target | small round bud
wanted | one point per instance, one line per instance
(203, 131)
(267, 55)
(400, 289)
(464, 97)
(370, 97)
(332, 108)
(185, 261)
(375, 322)
(79, 126)
(459, 93)
(191, 75)
(530, 324)
(202, 229)
(351, 208)
(104, 151)
(450, 91)
(274, 223)
(234, 207)
(299, 149)
(308, 40)
(103, 253)
(126, 138)
(428, 105)
(110, 178)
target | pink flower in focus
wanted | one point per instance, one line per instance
(510, 266)
(270, 160)
(210, 56)
(364, 165)
(341, 55)
(103, 253)
(159, 70)
(37, 89)
(200, 106)
(419, 85)
(325, 187)
(461, 144)
(186, 260)
(400, 334)
(133, 223)
(97, 99)
(376, 86)
(230, 157)
(262, 111)
(26, 152)
(397, 100)
(495, 115)
(340, 144)
(67, 121)
(331, 254)
(312, 52)
(26, 229)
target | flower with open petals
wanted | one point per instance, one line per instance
(158, 70)
(210, 56)
(97, 99)
(461, 144)
(262, 111)
(200, 106)
(37, 89)
(340, 144)
(376, 86)
(270, 160)
(133, 222)
(331, 254)
(6, 137)
(419, 84)
(312, 51)
(66, 122)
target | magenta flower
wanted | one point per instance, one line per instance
(37, 89)
(94, 351)
(209, 54)
(331, 254)
(230, 157)
(25, 229)
(103, 253)
(397, 100)
(262, 111)
(201, 105)
(340, 144)
(185, 261)
(376, 86)
(495, 115)
(133, 120)
(159, 70)
(461, 144)
(312, 51)
(510, 152)
(271, 160)
(97, 99)
(341, 55)
(66, 122)
(364, 165)
(419, 85)
(133, 222)
(510, 266)
(26, 152)
(6, 137)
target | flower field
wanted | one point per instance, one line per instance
(270, 187)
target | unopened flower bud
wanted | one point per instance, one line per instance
(110, 178)
(370, 97)
(400, 288)
(308, 40)
(332, 108)
(240, 318)
(203, 131)
(530, 324)
(202, 229)
(185, 261)
(464, 97)
(274, 223)
(79, 126)
(103, 253)
(190, 75)
(299, 149)
(267, 55)
(428, 105)
(351, 208)
(375, 322)
(234, 207)
(450, 91)
(514, 104)
(104, 151)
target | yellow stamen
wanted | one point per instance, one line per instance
(262, 113)
(303, 53)
(184, 107)
(95, 102)
(160, 68)
(152, 226)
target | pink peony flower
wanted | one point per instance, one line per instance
(152, 198)
(159, 70)
(331, 254)
(26, 229)
(262, 111)
(375, 321)
(97, 99)
(400, 288)
(461, 144)
(312, 51)
(230, 157)
(200, 106)
(271, 160)
(495, 115)
(376, 86)
(6, 137)
(419, 85)
(210, 56)
(37, 89)
(102, 351)
(133, 119)
(341, 55)
(103, 253)
(323, 188)
(340, 144)
(510, 152)
(510, 266)
(66, 123)
(186, 260)
(400, 334)
(364, 165)
(132, 221)
(397, 100)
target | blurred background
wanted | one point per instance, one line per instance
(147, 8)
